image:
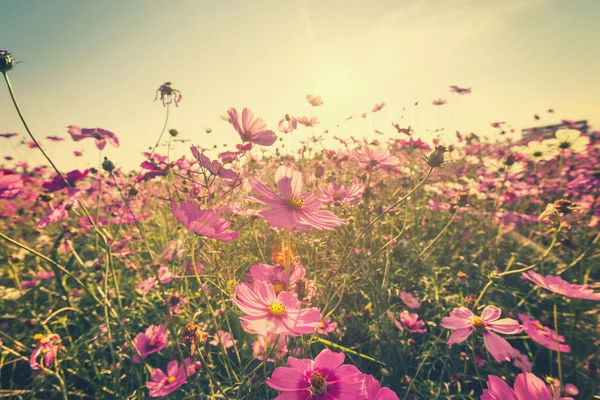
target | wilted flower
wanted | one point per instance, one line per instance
(6, 61)
(168, 94)
(436, 158)
(46, 346)
(193, 336)
(566, 211)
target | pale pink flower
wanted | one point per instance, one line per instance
(153, 340)
(10, 184)
(144, 286)
(527, 387)
(521, 361)
(307, 121)
(294, 209)
(543, 335)
(439, 102)
(162, 384)
(250, 128)
(288, 124)
(374, 158)
(464, 322)
(214, 167)
(410, 322)
(559, 286)
(164, 275)
(314, 100)
(223, 339)
(203, 222)
(268, 313)
(276, 275)
(338, 194)
(409, 300)
(101, 135)
(324, 378)
(378, 107)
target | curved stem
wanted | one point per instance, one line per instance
(439, 235)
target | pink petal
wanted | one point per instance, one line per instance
(459, 336)
(498, 347)
(491, 313)
(528, 386)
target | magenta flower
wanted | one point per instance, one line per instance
(326, 326)
(464, 322)
(410, 322)
(338, 194)
(101, 135)
(268, 313)
(214, 167)
(163, 384)
(57, 183)
(527, 387)
(409, 300)
(203, 222)
(372, 159)
(559, 286)
(10, 184)
(375, 391)
(8, 135)
(153, 340)
(46, 346)
(250, 128)
(294, 209)
(62, 211)
(224, 339)
(543, 335)
(324, 378)
(276, 345)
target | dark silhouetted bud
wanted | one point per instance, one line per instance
(108, 165)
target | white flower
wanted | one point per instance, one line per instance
(538, 151)
(569, 139)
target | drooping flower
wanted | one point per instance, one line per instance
(162, 384)
(558, 285)
(224, 339)
(152, 340)
(566, 211)
(410, 300)
(203, 222)
(214, 167)
(168, 94)
(314, 100)
(46, 346)
(527, 387)
(374, 391)
(374, 158)
(410, 322)
(464, 322)
(250, 128)
(338, 194)
(270, 313)
(101, 135)
(325, 378)
(294, 209)
(569, 139)
(543, 335)
(57, 183)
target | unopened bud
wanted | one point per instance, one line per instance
(108, 165)
(173, 132)
(6, 61)
(436, 158)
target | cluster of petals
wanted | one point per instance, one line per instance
(410, 322)
(293, 209)
(101, 135)
(10, 184)
(250, 128)
(47, 346)
(214, 167)
(527, 387)
(57, 183)
(374, 158)
(558, 285)
(339, 194)
(162, 384)
(275, 345)
(203, 222)
(464, 322)
(543, 335)
(152, 340)
(410, 300)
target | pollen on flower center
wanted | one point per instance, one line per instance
(296, 202)
(278, 286)
(318, 386)
(478, 324)
(171, 379)
(277, 309)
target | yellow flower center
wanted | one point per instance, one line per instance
(318, 386)
(478, 324)
(277, 309)
(296, 202)
(38, 337)
(171, 379)
(278, 286)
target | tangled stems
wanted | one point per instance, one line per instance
(439, 235)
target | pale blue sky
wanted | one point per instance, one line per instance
(98, 64)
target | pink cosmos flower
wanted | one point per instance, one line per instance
(326, 326)
(314, 100)
(288, 124)
(62, 211)
(338, 194)
(306, 121)
(464, 322)
(55, 138)
(456, 89)
(268, 313)
(164, 275)
(101, 135)
(276, 345)
(276, 275)
(409, 300)
(31, 144)
(250, 128)
(410, 322)
(153, 340)
(294, 209)
(162, 384)
(10, 184)
(415, 144)
(324, 378)
(203, 222)
(57, 183)
(439, 102)
(543, 335)
(559, 286)
(214, 167)
(224, 339)
(46, 346)
(175, 301)
(374, 158)
(375, 391)
(8, 135)
(378, 107)
(527, 387)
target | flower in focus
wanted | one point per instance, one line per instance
(162, 384)
(314, 100)
(223, 339)
(57, 183)
(566, 211)
(250, 128)
(153, 340)
(410, 322)
(101, 135)
(543, 335)
(527, 387)
(168, 94)
(464, 322)
(557, 285)
(326, 326)
(46, 346)
(374, 391)
(268, 313)
(409, 300)
(203, 222)
(324, 378)
(338, 194)
(568, 139)
(294, 209)
(372, 159)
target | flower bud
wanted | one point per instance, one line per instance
(6, 61)
(436, 158)
(173, 132)
(108, 165)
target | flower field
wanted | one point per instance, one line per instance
(390, 268)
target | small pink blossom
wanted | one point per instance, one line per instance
(410, 322)
(162, 384)
(409, 300)
(144, 286)
(307, 121)
(250, 128)
(288, 124)
(164, 275)
(314, 100)
(153, 340)
(223, 339)
(326, 326)
(374, 158)
(378, 107)
(338, 194)
(203, 222)
(439, 102)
